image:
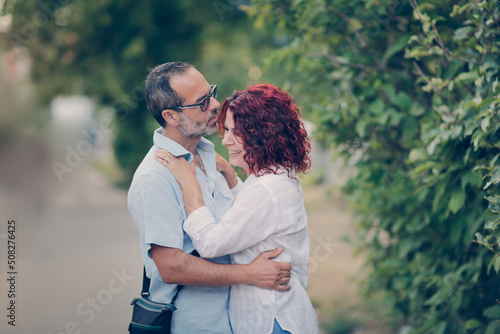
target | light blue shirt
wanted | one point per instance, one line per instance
(156, 204)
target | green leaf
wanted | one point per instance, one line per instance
(479, 237)
(440, 328)
(416, 109)
(473, 324)
(462, 9)
(405, 247)
(377, 107)
(416, 155)
(432, 146)
(441, 188)
(492, 312)
(492, 223)
(395, 48)
(457, 200)
(485, 123)
(382, 119)
(493, 199)
(492, 328)
(466, 76)
(471, 178)
(403, 101)
(495, 178)
(390, 91)
(361, 127)
(496, 265)
(461, 33)
(494, 160)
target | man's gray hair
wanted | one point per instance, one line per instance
(159, 93)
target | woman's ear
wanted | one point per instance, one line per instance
(170, 116)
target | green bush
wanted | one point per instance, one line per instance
(412, 88)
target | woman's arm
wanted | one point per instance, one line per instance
(251, 219)
(227, 170)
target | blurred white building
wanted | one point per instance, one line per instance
(72, 110)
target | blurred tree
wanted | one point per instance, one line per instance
(105, 49)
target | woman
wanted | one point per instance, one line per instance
(264, 135)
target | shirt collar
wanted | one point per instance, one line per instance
(177, 149)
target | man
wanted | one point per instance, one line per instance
(184, 104)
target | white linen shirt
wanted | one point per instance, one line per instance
(268, 212)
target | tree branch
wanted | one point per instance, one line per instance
(419, 71)
(356, 31)
(447, 52)
(360, 39)
(337, 62)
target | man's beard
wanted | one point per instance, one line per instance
(192, 129)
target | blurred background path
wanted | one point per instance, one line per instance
(78, 256)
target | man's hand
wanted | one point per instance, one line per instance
(177, 267)
(268, 274)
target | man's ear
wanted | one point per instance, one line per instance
(170, 116)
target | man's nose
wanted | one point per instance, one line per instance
(214, 104)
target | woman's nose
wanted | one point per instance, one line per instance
(225, 139)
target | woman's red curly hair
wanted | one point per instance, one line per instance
(268, 121)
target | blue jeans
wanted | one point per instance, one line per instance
(277, 328)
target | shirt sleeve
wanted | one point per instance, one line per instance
(236, 189)
(251, 219)
(159, 213)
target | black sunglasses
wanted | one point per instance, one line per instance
(204, 103)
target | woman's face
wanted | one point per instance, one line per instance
(233, 143)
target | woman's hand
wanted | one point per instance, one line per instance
(226, 169)
(183, 171)
(222, 164)
(185, 174)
